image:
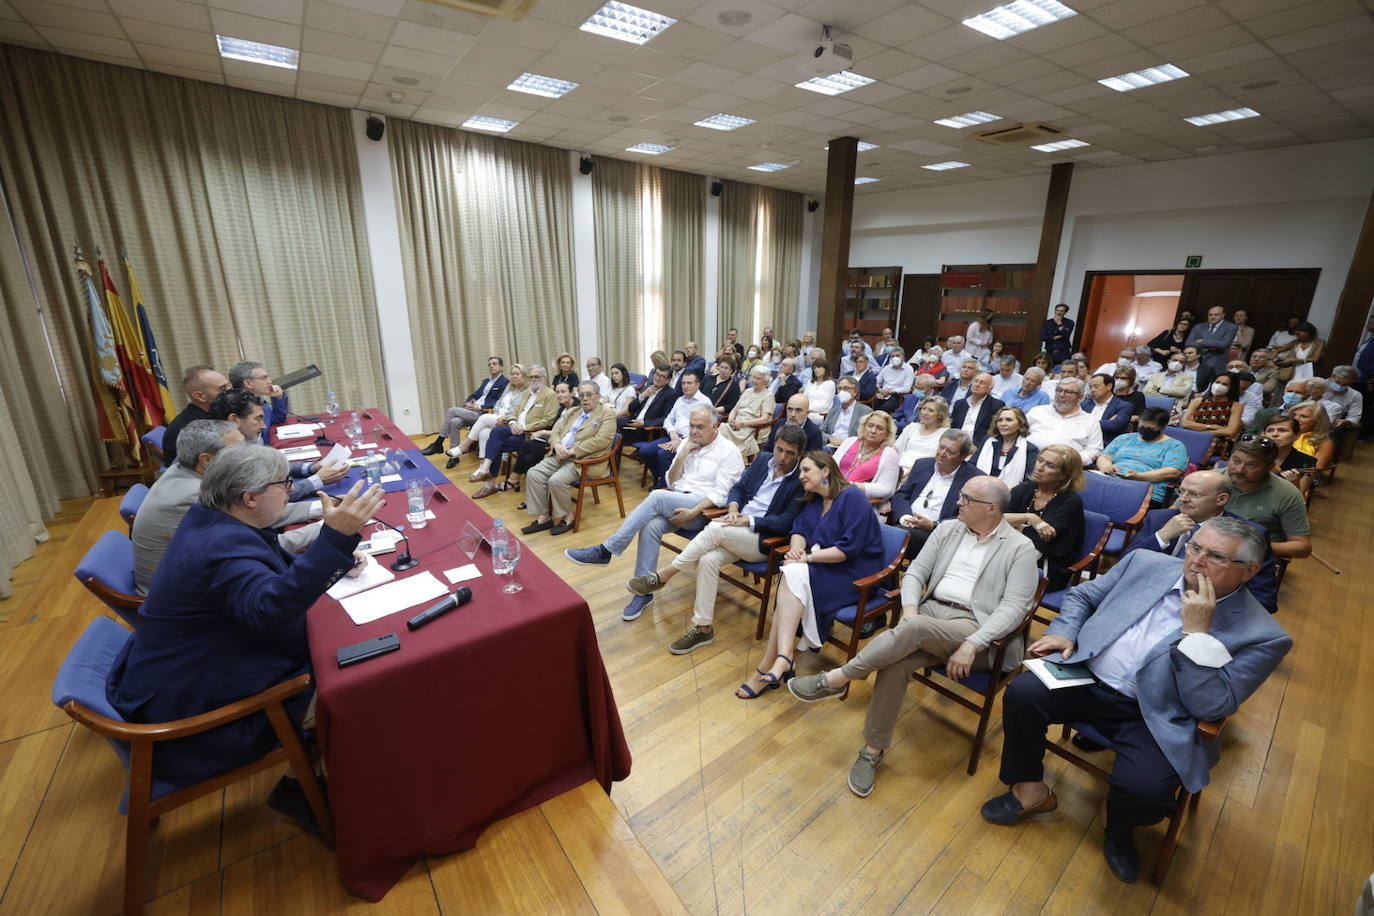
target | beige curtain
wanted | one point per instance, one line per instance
(241, 212)
(650, 230)
(486, 237)
(760, 260)
(22, 508)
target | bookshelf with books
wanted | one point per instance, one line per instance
(968, 289)
(872, 296)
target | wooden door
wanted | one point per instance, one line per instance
(1268, 296)
(920, 309)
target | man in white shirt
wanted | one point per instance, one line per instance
(1344, 404)
(955, 354)
(894, 381)
(1125, 358)
(1065, 422)
(1007, 380)
(854, 350)
(972, 584)
(660, 451)
(598, 377)
(702, 473)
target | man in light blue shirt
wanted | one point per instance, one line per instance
(1029, 393)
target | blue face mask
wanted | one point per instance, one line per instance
(1337, 389)
(1290, 398)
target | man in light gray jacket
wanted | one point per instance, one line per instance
(972, 583)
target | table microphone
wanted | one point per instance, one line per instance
(459, 598)
(404, 560)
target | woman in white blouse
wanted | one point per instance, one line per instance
(820, 391)
(1006, 452)
(920, 439)
(868, 460)
(622, 390)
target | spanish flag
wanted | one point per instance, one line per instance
(169, 409)
(133, 362)
(114, 412)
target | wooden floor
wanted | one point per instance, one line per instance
(742, 806)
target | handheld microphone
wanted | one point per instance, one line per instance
(459, 598)
(404, 560)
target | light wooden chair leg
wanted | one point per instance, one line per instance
(983, 718)
(619, 497)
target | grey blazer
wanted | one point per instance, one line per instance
(1004, 589)
(856, 421)
(1173, 691)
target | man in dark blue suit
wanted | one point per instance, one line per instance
(225, 617)
(981, 404)
(795, 416)
(1203, 495)
(1112, 413)
(649, 409)
(761, 505)
(957, 388)
(1213, 339)
(695, 361)
(787, 383)
(930, 493)
(866, 377)
(482, 399)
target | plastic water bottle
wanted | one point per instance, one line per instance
(374, 469)
(331, 406)
(354, 428)
(415, 504)
(500, 546)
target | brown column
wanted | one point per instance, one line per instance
(1051, 229)
(1353, 306)
(839, 214)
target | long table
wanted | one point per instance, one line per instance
(491, 709)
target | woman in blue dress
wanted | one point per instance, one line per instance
(835, 540)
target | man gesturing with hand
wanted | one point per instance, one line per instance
(1168, 643)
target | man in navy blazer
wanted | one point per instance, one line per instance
(930, 493)
(866, 377)
(1112, 413)
(695, 361)
(1168, 643)
(482, 399)
(225, 616)
(650, 408)
(1204, 495)
(795, 416)
(983, 405)
(762, 504)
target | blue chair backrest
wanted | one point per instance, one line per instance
(880, 359)
(1115, 498)
(894, 542)
(636, 379)
(154, 436)
(110, 561)
(1159, 400)
(1198, 442)
(128, 506)
(1094, 524)
(86, 670)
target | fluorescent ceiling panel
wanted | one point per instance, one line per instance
(624, 22)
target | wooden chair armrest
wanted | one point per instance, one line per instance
(880, 575)
(713, 513)
(592, 459)
(1211, 729)
(181, 728)
(776, 542)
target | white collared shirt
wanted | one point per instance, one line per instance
(843, 417)
(1079, 431)
(1002, 385)
(708, 472)
(602, 381)
(897, 380)
(767, 490)
(971, 415)
(956, 585)
(679, 417)
(930, 501)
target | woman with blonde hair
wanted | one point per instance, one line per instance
(868, 460)
(1048, 510)
(565, 371)
(512, 400)
(920, 439)
(1314, 433)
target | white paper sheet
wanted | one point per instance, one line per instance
(390, 478)
(373, 574)
(301, 453)
(401, 595)
(339, 454)
(1036, 666)
(297, 430)
(462, 573)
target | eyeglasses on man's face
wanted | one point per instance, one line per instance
(1211, 556)
(965, 499)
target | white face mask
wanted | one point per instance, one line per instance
(753, 354)
(1219, 388)
(846, 397)
(1175, 365)
(897, 364)
(1120, 385)
(1123, 360)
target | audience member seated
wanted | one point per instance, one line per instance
(752, 357)
(970, 585)
(819, 391)
(895, 381)
(929, 494)
(932, 364)
(225, 616)
(975, 412)
(787, 382)
(1201, 496)
(622, 391)
(957, 388)
(1251, 395)
(583, 433)
(1144, 364)
(847, 416)
(991, 363)
(535, 411)
(658, 454)
(1192, 364)
(596, 375)
(202, 385)
(1125, 358)
(565, 374)
(253, 378)
(867, 380)
(762, 504)
(1124, 387)
(1007, 381)
(1150, 688)
(1174, 382)
(1147, 454)
(695, 361)
(1216, 412)
(1267, 374)
(1343, 402)
(868, 460)
(725, 389)
(1112, 413)
(955, 353)
(481, 400)
(1294, 393)
(705, 468)
(794, 414)
(1267, 499)
(1314, 434)
(244, 410)
(1006, 453)
(507, 406)
(921, 390)
(1048, 510)
(650, 408)
(1065, 421)
(1289, 463)
(1029, 393)
(920, 439)
(732, 341)
(835, 540)
(752, 415)
(536, 444)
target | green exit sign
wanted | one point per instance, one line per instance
(1192, 261)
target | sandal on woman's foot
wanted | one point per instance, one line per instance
(791, 671)
(506, 486)
(770, 682)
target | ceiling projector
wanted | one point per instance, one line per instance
(829, 57)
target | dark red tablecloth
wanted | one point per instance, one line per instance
(489, 710)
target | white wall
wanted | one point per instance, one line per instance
(1297, 206)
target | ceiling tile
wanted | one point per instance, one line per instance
(169, 12)
(255, 28)
(285, 10)
(1125, 14)
(705, 76)
(1093, 51)
(906, 23)
(168, 36)
(174, 57)
(62, 39)
(185, 73)
(344, 46)
(335, 66)
(1331, 33)
(1306, 16)
(332, 17)
(12, 31)
(432, 14)
(790, 33)
(384, 75)
(1240, 54)
(324, 97)
(1058, 35)
(707, 15)
(690, 40)
(528, 33)
(946, 43)
(258, 73)
(924, 77)
(745, 56)
(39, 13)
(418, 61)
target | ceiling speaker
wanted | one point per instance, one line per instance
(812, 206)
(585, 165)
(375, 128)
(716, 188)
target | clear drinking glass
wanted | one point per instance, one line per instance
(505, 566)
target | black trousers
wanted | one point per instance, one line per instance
(1142, 782)
(530, 453)
(889, 404)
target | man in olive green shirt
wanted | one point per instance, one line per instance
(1267, 499)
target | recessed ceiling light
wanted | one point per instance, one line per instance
(863, 147)
(835, 83)
(1217, 117)
(968, 120)
(725, 122)
(546, 86)
(496, 125)
(618, 119)
(1059, 145)
(1150, 76)
(653, 149)
(256, 52)
(405, 81)
(769, 167)
(626, 23)
(1020, 16)
(945, 166)
(958, 90)
(866, 180)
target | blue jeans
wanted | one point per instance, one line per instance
(650, 520)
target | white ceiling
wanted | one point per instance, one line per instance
(1313, 61)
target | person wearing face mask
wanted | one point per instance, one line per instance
(1343, 402)
(894, 381)
(1125, 358)
(846, 418)
(1111, 412)
(1147, 454)
(1124, 386)
(752, 358)
(1294, 393)
(933, 365)
(1219, 410)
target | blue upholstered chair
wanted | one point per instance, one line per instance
(1160, 401)
(153, 440)
(80, 691)
(128, 506)
(1096, 529)
(874, 595)
(1124, 502)
(1198, 443)
(107, 570)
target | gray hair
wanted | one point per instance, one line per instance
(201, 437)
(1347, 371)
(963, 438)
(1036, 371)
(1253, 541)
(1142, 351)
(995, 489)
(191, 377)
(1078, 382)
(538, 368)
(238, 469)
(702, 409)
(242, 372)
(590, 387)
(1007, 360)
(760, 369)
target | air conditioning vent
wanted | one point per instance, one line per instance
(513, 10)
(1018, 134)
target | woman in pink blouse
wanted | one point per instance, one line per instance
(868, 460)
